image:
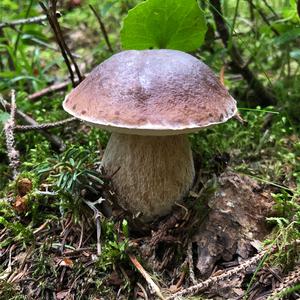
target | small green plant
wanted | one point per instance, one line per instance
(73, 176)
(114, 248)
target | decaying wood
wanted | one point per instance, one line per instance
(236, 218)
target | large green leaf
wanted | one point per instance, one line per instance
(168, 24)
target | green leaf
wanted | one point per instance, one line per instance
(288, 36)
(168, 24)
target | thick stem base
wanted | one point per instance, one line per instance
(154, 172)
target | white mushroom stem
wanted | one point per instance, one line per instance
(153, 173)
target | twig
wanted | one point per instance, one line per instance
(143, 290)
(51, 89)
(43, 226)
(192, 290)
(58, 40)
(98, 226)
(191, 263)
(45, 125)
(288, 281)
(57, 87)
(12, 153)
(264, 18)
(264, 97)
(33, 20)
(147, 277)
(65, 51)
(53, 139)
(97, 215)
(270, 8)
(102, 27)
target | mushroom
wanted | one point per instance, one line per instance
(150, 100)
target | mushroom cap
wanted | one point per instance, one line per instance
(151, 92)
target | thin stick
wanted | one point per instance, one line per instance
(192, 290)
(97, 216)
(12, 153)
(45, 125)
(102, 27)
(265, 19)
(146, 276)
(53, 139)
(60, 35)
(49, 90)
(33, 20)
(63, 52)
(143, 290)
(270, 8)
(57, 87)
(98, 226)
(191, 263)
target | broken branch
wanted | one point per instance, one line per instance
(45, 125)
(53, 139)
(33, 20)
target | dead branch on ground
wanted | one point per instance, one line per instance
(57, 87)
(53, 139)
(45, 125)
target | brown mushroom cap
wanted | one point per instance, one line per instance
(151, 92)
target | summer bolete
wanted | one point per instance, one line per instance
(150, 100)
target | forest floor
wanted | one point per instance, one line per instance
(236, 235)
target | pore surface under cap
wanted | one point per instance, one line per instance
(151, 92)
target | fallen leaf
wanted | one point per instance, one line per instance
(67, 262)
